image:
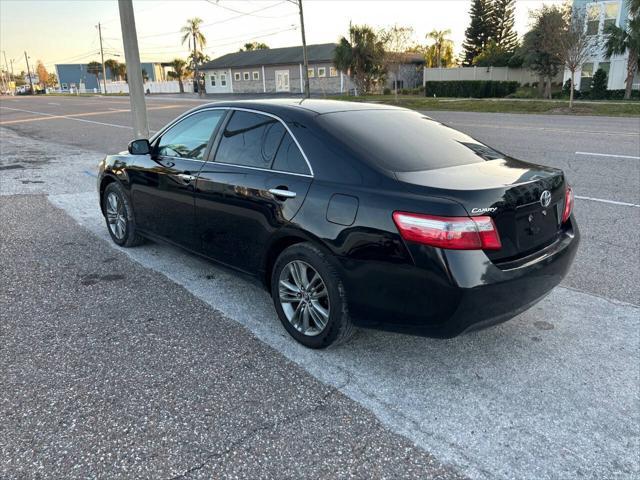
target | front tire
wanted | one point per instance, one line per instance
(310, 298)
(119, 216)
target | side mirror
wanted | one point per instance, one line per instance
(139, 147)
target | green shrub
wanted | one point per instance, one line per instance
(470, 88)
(619, 94)
(599, 85)
(386, 91)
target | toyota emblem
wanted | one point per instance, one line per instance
(545, 199)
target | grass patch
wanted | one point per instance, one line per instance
(499, 105)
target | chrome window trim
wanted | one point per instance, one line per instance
(304, 155)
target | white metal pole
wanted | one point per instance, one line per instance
(134, 70)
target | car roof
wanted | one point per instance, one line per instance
(315, 106)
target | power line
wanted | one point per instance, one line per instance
(252, 13)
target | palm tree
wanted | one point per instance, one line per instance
(619, 41)
(121, 71)
(194, 37)
(95, 68)
(439, 36)
(112, 65)
(179, 72)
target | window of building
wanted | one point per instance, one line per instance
(213, 80)
(236, 76)
(256, 75)
(593, 19)
(250, 139)
(245, 75)
(585, 76)
(189, 137)
(311, 72)
(322, 72)
(223, 79)
(333, 72)
(606, 66)
(610, 14)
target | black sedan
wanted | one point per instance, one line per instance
(350, 213)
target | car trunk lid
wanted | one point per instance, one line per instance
(513, 193)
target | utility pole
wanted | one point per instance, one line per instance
(29, 72)
(12, 75)
(104, 74)
(134, 70)
(307, 92)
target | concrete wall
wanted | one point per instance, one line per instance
(521, 75)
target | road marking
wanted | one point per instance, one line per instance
(559, 130)
(607, 155)
(612, 202)
(73, 116)
(90, 174)
(51, 103)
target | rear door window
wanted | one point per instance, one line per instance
(404, 141)
(289, 158)
(250, 139)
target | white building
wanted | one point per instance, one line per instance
(599, 14)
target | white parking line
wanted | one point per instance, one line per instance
(68, 118)
(607, 155)
(612, 202)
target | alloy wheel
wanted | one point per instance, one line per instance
(116, 216)
(304, 298)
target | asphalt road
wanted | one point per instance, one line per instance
(552, 394)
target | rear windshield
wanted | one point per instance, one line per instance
(403, 141)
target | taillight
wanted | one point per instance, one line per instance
(458, 233)
(568, 204)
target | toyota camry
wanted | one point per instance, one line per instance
(349, 213)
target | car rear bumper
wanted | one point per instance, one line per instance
(450, 292)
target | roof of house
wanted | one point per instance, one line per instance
(273, 56)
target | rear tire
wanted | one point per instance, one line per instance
(310, 298)
(118, 214)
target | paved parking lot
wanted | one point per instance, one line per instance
(552, 394)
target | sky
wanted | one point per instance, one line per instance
(60, 31)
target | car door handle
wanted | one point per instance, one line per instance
(186, 177)
(279, 192)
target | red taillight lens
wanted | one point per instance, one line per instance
(458, 233)
(568, 204)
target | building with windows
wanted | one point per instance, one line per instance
(74, 76)
(598, 14)
(274, 70)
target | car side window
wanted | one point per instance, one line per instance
(250, 139)
(189, 137)
(289, 157)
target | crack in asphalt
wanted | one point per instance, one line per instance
(261, 428)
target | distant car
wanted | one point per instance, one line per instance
(350, 214)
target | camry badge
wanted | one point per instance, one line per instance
(484, 210)
(545, 199)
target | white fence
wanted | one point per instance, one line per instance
(521, 75)
(152, 87)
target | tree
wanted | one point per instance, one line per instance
(503, 31)
(479, 32)
(145, 76)
(542, 48)
(621, 40)
(362, 57)
(179, 72)
(95, 68)
(112, 65)
(52, 80)
(493, 55)
(396, 42)
(254, 46)
(43, 75)
(194, 37)
(576, 45)
(121, 71)
(441, 44)
(599, 85)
